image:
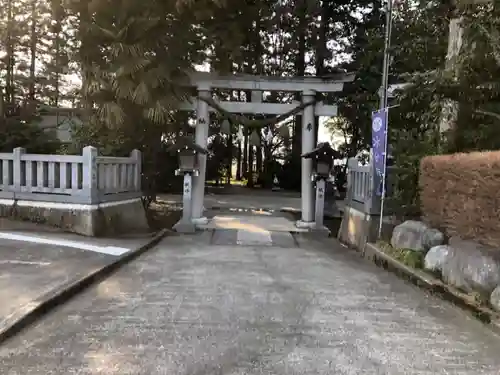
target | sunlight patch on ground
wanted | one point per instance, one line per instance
(103, 362)
(232, 223)
(252, 223)
(110, 288)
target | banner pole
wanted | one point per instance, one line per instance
(382, 199)
(384, 103)
(387, 55)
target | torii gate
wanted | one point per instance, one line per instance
(307, 86)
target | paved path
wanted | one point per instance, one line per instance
(275, 201)
(34, 262)
(197, 308)
(29, 270)
(271, 201)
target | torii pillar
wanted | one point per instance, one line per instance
(307, 191)
(201, 136)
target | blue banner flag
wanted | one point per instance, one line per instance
(379, 140)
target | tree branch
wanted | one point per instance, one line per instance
(493, 37)
(488, 113)
(276, 146)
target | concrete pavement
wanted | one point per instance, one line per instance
(37, 262)
(275, 201)
(29, 270)
(270, 201)
(193, 306)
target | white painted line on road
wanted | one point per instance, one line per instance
(24, 262)
(110, 250)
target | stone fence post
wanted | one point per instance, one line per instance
(89, 178)
(352, 163)
(17, 177)
(137, 156)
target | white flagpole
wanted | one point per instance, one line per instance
(383, 104)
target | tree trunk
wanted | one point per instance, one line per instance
(229, 158)
(259, 160)
(238, 162)
(268, 171)
(449, 114)
(9, 46)
(300, 68)
(244, 168)
(260, 71)
(321, 50)
(33, 44)
(2, 106)
(57, 50)
(86, 51)
(250, 165)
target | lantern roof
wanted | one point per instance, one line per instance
(187, 143)
(322, 150)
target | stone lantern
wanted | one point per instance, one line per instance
(323, 156)
(188, 153)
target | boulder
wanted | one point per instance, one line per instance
(416, 235)
(495, 298)
(472, 267)
(432, 237)
(436, 257)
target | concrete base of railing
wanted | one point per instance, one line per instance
(310, 226)
(105, 219)
(358, 228)
(305, 224)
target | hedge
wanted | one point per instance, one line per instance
(460, 194)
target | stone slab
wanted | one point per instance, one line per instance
(229, 237)
(184, 227)
(358, 228)
(254, 237)
(283, 239)
(224, 237)
(263, 222)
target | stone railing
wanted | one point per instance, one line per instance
(358, 181)
(79, 179)
(359, 187)
(361, 219)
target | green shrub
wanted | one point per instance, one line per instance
(410, 258)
